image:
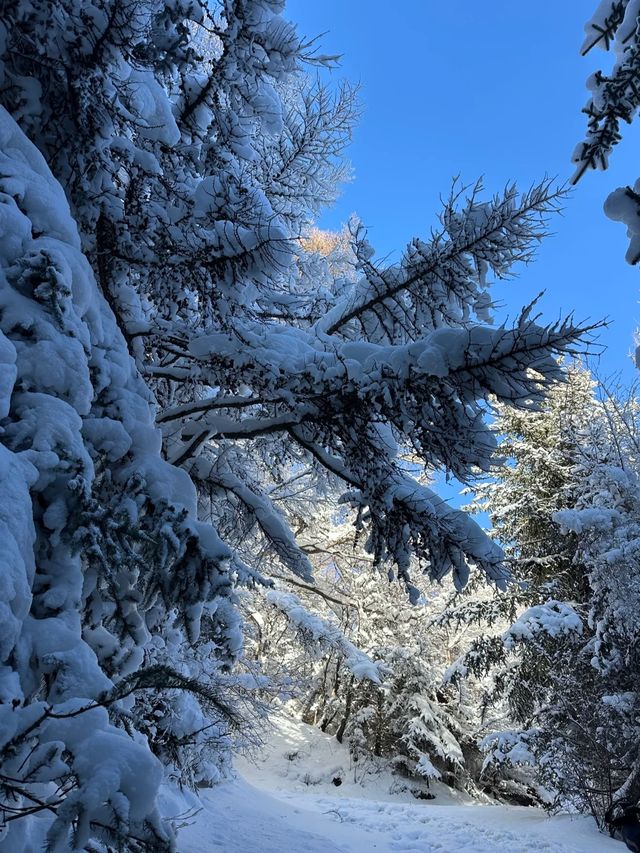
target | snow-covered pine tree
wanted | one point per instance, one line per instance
(540, 451)
(168, 127)
(411, 719)
(601, 756)
(518, 646)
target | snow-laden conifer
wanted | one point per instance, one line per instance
(562, 653)
(106, 567)
(193, 153)
(171, 128)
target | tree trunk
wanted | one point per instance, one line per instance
(347, 711)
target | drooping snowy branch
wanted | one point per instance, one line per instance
(614, 102)
(323, 634)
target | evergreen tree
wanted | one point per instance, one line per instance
(540, 451)
(174, 290)
(189, 172)
(102, 554)
(603, 752)
(562, 662)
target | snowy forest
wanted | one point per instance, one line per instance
(230, 442)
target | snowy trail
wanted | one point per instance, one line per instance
(238, 818)
(483, 829)
(286, 803)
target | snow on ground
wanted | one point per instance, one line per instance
(286, 802)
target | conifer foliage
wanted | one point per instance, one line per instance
(614, 101)
(405, 718)
(94, 527)
(172, 354)
(562, 656)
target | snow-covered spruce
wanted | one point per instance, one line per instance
(605, 520)
(562, 646)
(104, 565)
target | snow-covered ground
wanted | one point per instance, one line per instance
(287, 802)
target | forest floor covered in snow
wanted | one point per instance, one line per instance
(285, 801)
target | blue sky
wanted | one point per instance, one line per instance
(491, 89)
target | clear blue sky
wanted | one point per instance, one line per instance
(492, 89)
